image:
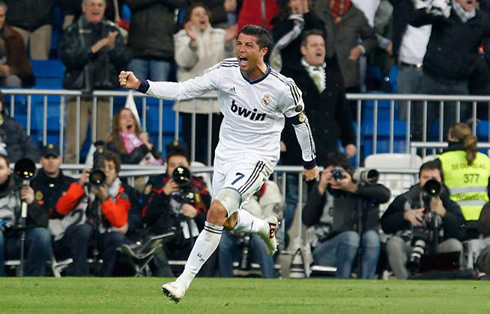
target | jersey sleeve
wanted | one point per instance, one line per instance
(183, 90)
(293, 108)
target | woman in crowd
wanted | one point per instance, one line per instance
(465, 173)
(197, 47)
(131, 144)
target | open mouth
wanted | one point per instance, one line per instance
(129, 127)
(242, 61)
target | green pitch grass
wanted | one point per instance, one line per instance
(217, 295)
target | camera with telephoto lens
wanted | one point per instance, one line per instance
(338, 173)
(183, 177)
(97, 175)
(421, 235)
(368, 176)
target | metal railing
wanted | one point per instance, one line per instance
(365, 119)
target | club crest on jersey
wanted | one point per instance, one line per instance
(252, 115)
(266, 99)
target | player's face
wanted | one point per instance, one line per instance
(429, 174)
(314, 50)
(94, 10)
(175, 161)
(4, 171)
(51, 165)
(248, 53)
(127, 123)
(200, 18)
(467, 5)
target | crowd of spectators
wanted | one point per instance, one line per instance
(323, 45)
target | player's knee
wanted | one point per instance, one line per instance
(231, 222)
(217, 214)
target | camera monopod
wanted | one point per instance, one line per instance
(25, 169)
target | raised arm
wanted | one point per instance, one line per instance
(171, 90)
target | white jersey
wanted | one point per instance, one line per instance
(254, 111)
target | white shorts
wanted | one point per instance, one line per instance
(241, 174)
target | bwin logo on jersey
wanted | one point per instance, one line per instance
(243, 112)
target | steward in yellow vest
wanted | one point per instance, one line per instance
(466, 171)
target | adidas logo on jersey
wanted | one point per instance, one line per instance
(232, 90)
(250, 114)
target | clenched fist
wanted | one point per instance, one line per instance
(310, 174)
(128, 80)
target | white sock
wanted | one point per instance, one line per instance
(250, 224)
(205, 245)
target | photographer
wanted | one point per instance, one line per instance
(408, 220)
(90, 208)
(38, 239)
(332, 213)
(173, 207)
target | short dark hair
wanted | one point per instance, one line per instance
(263, 35)
(310, 32)
(430, 165)
(107, 155)
(337, 159)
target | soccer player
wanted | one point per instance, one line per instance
(254, 100)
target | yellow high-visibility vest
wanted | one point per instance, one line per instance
(467, 184)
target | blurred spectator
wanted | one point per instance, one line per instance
(14, 142)
(411, 217)
(50, 184)
(466, 173)
(219, 11)
(343, 217)
(349, 37)
(178, 204)
(15, 68)
(33, 19)
(150, 37)
(258, 13)
(95, 214)
(38, 239)
(267, 202)
(294, 18)
(368, 7)
(131, 144)
(197, 47)
(409, 45)
(93, 53)
(326, 106)
(457, 32)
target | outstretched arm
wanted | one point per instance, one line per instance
(170, 90)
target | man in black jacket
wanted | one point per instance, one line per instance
(93, 53)
(343, 215)
(50, 184)
(457, 32)
(325, 102)
(37, 237)
(406, 213)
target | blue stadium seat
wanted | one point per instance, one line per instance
(49, 73)
(383, 137)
